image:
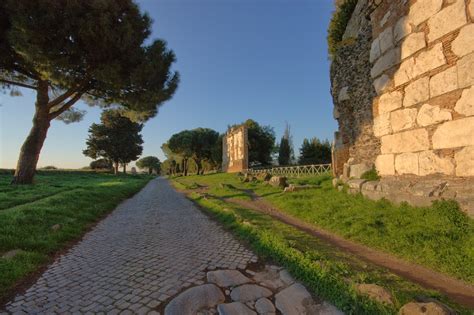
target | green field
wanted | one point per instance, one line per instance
(74, 200)
(440, 237)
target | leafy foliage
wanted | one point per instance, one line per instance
(149, 162)
(101, 164)
(116, 139)
(370, 175)
(338, 24)
(261, 140)
(314, 151)
(284, 152)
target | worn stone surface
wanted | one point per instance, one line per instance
(386, 40)
(56, 227)
(423, 9)
(403, 119)
(456, 133)
(388, 60)
(406, 141)
(234, 308)
(429, 59)
(444, 82)
(141, 255)
(194, 299)
(447, 20)
(430, 115)
(385, 164)
(465, 104)
(416, 92)
(376, 292)
(407, 163)
(295, 300)
(249, 292)
(471, 10)
(390, 101)
(405, 72)
(465, 161)
(431, 163)
(414, 308)
(286, 277)
(264, 306)
(462, 45)
(465, 73)
(375, 50)
(227, 278)
(382, 125)
(382, 83)
(356, 184)
(412, 43)
(402, 28)
(269, 278)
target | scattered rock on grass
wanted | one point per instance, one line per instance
(11, 254)
(249, 292)
(278, 181)
(286, 277)
(431, 308)
(194, 299)
(56, 227)
(375, 292)
(227, 278)
(235, 308)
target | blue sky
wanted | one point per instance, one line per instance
(260, 59)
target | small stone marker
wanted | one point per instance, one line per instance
(278, 181)
(134, 171)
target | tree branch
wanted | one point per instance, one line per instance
(80, 87)
(19, 84)
(66, 105)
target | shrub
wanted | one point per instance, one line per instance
(50, 167)
(370, 175)
(338, 24)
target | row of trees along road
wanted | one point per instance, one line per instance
(98, 54)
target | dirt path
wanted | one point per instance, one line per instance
(457, 290)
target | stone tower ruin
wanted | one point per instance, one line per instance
(235, 153)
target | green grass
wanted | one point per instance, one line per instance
(440, 237)
(74, 200)
(328, 273)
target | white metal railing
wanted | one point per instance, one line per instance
(292, 171)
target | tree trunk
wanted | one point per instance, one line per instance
(150, 170)
(125, 168)
(185, 167)
(199, 166)
(31, 148)
(116, 168)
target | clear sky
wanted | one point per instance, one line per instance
(260, 59)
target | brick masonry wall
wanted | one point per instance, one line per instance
(417, 115)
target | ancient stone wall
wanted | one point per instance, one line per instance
(403, 90)
(235, 150)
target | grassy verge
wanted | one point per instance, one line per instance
(440, 236)
(328, 273)
(74, 200)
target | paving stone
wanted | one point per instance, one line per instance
(235, 308)
(249, 292)
(193, 299)
(227, 278)
(264, 306)
(295, 300)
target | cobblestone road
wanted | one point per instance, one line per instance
(148, 249)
